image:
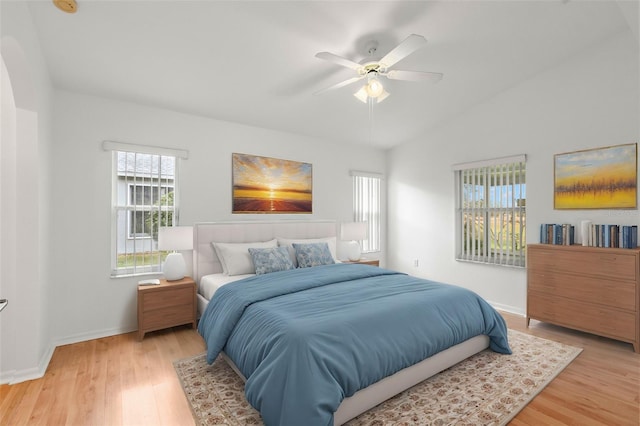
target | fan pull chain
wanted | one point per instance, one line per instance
(370, 105)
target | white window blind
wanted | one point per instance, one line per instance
(144, 197)
(366, 207)
(491, 211)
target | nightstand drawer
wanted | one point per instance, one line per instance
(168, 317)
(168, 298)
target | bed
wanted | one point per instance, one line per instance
(320, 345)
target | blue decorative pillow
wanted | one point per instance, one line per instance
(272, 259)
(314, 254)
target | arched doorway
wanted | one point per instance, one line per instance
(21, 322)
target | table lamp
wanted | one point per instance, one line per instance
(175, 238)
(354, 232)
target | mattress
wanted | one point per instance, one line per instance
(209, 284)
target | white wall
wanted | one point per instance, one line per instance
(56, 189)
(57, 272)
(87, 302)
(590, 100)
(25, 346)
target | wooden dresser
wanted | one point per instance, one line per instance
(591, 289)
(165, 305)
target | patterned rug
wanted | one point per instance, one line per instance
(486, 389)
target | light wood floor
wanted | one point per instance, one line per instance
(121, 381)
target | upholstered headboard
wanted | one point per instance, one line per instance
(205, 260)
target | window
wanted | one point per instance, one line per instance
(366, 207)
(142, 197)
(491, 211)
(145, 182)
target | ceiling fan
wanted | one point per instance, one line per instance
(372, 70)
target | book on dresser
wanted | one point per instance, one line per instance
(592, 235)
(592, 289)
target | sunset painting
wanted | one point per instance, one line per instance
(603, 178)
(270, 185)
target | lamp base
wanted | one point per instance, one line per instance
(174, 267)
(353, 251)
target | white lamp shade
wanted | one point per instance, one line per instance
(353, 231)
(175, 238)
(174, 267)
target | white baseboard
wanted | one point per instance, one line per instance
(99, 334)
(17, 376)
(511, 309)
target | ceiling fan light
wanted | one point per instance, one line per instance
(384, 95)
(374, 88)
(362, 95)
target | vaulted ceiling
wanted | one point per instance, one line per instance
(254, 63)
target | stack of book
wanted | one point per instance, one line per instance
(554, 233)
(616, 236)
(593, 235)
(629, 235)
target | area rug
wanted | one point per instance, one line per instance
(486, 389)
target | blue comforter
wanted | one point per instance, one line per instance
(307, 338)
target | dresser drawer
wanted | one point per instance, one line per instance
(582, 316)
(618, 294)
(611, 265)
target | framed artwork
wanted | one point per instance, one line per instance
(271, 185)
(601, 178)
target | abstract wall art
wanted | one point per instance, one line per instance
(601, 178)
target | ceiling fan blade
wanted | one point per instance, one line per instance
(404, 49)
(414, 75)
(339, 85)
(339, 60)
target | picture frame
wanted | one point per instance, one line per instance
(598, 178)
(266, 185)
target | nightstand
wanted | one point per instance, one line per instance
(364, 261)
(165, 305)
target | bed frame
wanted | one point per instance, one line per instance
(206, 262)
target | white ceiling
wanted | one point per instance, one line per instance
(253, 62)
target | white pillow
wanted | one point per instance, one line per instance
(288, 243)
(235, 257)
